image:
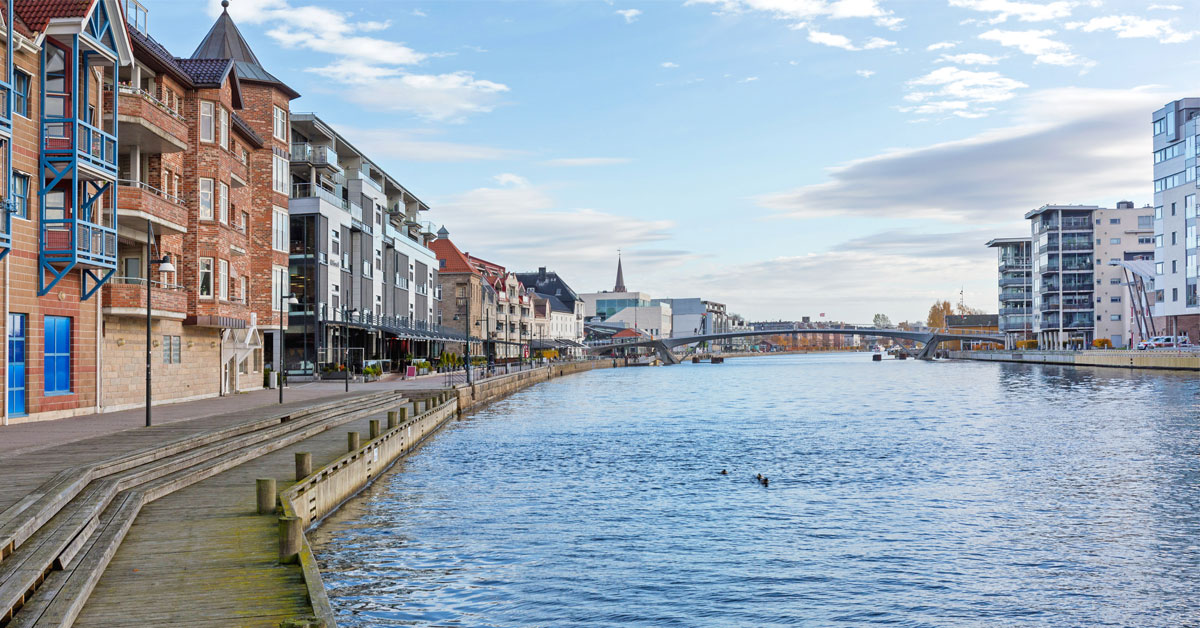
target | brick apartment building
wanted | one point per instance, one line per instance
(151, 157)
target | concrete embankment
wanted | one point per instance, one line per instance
(1170, 360)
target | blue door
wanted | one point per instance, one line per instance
(16, 364)
(57, 369)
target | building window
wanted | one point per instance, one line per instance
(279, 281)
(1114, 299)
(279, 230)
(206, 121)
(172, 350)
(1114, 221)
(335, 243)
(1158, 268)
(224, 128)
(223, 202)
(206, 199)
(1116, 281)
(1160, 126)
(279, 174)
(1145, 222)
(1114, 240)
(20, 195)
(21, 93)
(1158, 240)
(223, 279)
(1174, 294)
(1145, 239)
(281, 124)
(1114, 317)
(206, 278)
(1174, 267)
(57, 357)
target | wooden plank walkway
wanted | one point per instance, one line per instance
(203, 557)
(22, 473)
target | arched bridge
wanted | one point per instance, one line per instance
(929, 339)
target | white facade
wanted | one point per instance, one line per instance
(1176, 137)
(654, 320)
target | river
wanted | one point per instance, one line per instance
(901, 492)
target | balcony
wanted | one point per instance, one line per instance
(1047, 225)
(139, 200)
(126, 296)
(309, 190)
(1076, 224)
(316, 155)
(147, 122)
(72, 240)
(1018, 311)
(1008, 264)
(1013, 281)
(71, 137)
(1077, 245)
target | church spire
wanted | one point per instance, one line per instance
(620, 287)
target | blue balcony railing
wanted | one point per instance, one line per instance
(80, 241)
(90, 145)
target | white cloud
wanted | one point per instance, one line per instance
(586, 161)
(669, 64)
(369, 70)
(1023, 11)
(970, 58)
(841, 41)
(865, 73)
(419, 13)
(1164, 7)
(941, 45)
(799, 12)
(1132, 26)
(1037, 43)
(996, 176)
(418, 145)
(963, 93)
(748, 79)
(535, 230)
(629, 14)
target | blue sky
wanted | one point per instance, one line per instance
(786, 157)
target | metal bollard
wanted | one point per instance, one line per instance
(266, 495)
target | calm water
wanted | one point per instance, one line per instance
(902, 493)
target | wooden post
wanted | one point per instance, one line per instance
(266, 495)
(289, 539)
(303, 465)
(393, 419)
(374, 429)
(403, 414)
(352, 441)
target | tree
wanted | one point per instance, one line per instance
(938, 313)
(966, 309)
(881, 321)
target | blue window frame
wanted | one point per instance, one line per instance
(58, 355)
(21, 93)
(20, 195)
(16, 364)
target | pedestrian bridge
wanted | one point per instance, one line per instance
(929, 339)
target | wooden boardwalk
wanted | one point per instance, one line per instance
(202, 556)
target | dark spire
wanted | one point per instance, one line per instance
(225, 41)
(620, 287)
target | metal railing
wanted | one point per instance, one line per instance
(1013, 281)
(310, 190)
(1022, 263)
(130, 183)
(150, 98)
(1077, 224)
(92, 145)
(140, 281)
(315, 154)
(396, 324)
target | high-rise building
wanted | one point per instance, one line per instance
(1014, 266)
(1079, 294)
(1176, 148)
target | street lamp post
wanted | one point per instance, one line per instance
(284, 301)
(164, 265)
(346, 341)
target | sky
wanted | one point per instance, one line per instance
(784, 157)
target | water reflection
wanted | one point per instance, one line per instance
(965, 494)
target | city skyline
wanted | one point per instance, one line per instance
(633, 134)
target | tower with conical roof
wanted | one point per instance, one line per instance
(620, 287)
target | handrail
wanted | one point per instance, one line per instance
(151, 189)
(140, 281)
(137, 91)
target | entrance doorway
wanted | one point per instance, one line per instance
(16, 364)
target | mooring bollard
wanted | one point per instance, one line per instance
(266, 495)
(289, 539)
(352, 441)
(303, 465)
(374, 429)
(393, 419)
(403, 414)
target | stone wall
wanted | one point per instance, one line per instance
(1176, 360)
(124, 376)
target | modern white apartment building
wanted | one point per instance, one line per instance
(1014, 266)
(1176, 148)
(361, 266)
(1079, 294)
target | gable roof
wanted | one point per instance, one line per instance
(206, 72)
(19, 25)
(225, 41)
(555, 304)
(450, 258)
(38, 13)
